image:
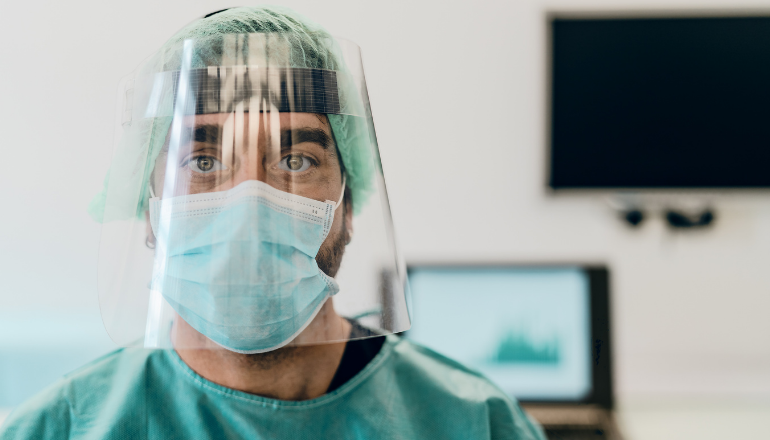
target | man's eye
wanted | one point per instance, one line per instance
(295, 163)
(205, 164)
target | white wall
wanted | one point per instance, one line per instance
(458, 94)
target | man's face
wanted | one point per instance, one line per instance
(292, 152)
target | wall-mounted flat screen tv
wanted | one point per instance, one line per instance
(660, 102)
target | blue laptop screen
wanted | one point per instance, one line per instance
(528, 330)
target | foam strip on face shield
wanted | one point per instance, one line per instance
(220, 89)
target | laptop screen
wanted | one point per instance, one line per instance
(526, 329)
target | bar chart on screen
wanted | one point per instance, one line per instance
(519, 348)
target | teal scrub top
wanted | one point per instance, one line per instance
(406, 392)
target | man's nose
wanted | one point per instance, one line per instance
(250, 165)
(254, 137)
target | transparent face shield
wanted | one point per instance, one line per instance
(245, 206)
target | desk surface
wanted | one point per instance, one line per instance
(702, 419)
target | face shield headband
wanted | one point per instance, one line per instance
(244, 88)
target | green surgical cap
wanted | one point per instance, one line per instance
(309, 47)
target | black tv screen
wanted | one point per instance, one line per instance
(660, 103)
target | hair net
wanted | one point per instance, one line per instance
(309, 46)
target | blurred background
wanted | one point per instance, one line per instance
(462, 102)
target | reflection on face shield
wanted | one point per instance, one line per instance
(241, 223)
(293, 152)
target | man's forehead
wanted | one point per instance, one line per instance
(286, 120)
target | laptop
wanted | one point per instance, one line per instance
(540, 332)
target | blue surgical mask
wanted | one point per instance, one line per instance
(239, 265)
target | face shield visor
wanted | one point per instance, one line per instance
(245, 205)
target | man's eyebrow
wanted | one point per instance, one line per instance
(290, 137)
(207, 133)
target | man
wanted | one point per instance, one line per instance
(247, 148)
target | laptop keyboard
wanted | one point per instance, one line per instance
(575, 434)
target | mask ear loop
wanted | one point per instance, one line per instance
(152, 193)
(342, 193)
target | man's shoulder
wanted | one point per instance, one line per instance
(50, 413)
(457, 388)
(441, 371)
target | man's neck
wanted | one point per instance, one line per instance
(295, 372)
